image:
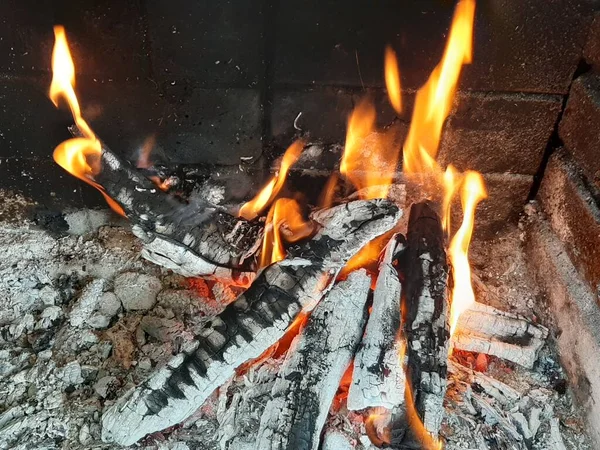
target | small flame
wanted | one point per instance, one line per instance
(285, 223)
(367, 257)
(328, 195)
(79, 156)
(473, 191)
(392, 79)
(434, 99)
(370, 157)
(264, 198)
(451, 180)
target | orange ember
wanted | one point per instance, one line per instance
(264, 198)
(285, 223)
(462, 296)
(79, 156)
(392, 79)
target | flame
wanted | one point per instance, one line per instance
(284, 223)
(370, 158)
(452, 180)
(434, 99)
(392, 79)
(418, 430)
(462, 296)
(327, 196)
(79, 156)
(367, 257)
(264, 198)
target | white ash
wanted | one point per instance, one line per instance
(56, 377)
(137, 291)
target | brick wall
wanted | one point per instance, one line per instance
(216, 81)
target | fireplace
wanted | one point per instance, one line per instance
(300, 226)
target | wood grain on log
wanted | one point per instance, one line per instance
(311, 373)
(485, 329)
(426, 314)
(250, 325)
(378, 378)
(206, 232)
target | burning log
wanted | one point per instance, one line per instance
(378, 378)
(311, 374)
(194, 239)
(485, 329)
(426, 309)
(251, 324)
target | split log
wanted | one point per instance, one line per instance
(310, 375)
(426, 309)
(198, 236)
(485, 329)
(255, 321)
(378, 377)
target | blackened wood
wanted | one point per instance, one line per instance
(251, 324)
(310, 375)
(203, 229)
(378, 378)
(485, 329)
(427, 314)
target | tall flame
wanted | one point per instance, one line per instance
(392, 79)
(473, 191)
(434, 99)
(80, 156)
(254, 207)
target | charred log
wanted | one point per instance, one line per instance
(378, 377)
(485, 329)
(206, 233)
(426, 309)
(311, 374)
(250, 325)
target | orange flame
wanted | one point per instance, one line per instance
(254, 207)
(284, 223)
(79, 156)
(462, 296)
(451, 181)
(370, 158)
(392, 79)
(434, 99)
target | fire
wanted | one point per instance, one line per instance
(285, 223)
(418, 430)
(434, 99)
(369, 159)
(451, 183)
(392, 79)
(264, 198)
(473, 191)
(79, 156)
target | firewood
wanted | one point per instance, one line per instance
(485, 329)
(198, 237)
(255, 321)
(311, 373)
(427, 311)
(378, 377)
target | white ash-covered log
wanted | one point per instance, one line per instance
(310, 375)
(251, 324)
(426, 325)
(378, 378)
(485, 329)
(195, 238)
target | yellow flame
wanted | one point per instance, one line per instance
(473, 191)
(451, 180)
(254, 207)
(285, 223)
(80, 156)
(392, 79)
(434, 99)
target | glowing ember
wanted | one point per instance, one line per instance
(285, 223)
(473, 191)
(264, 198)
(80, 156)
(392, 79)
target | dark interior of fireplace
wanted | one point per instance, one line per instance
(186, 317)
